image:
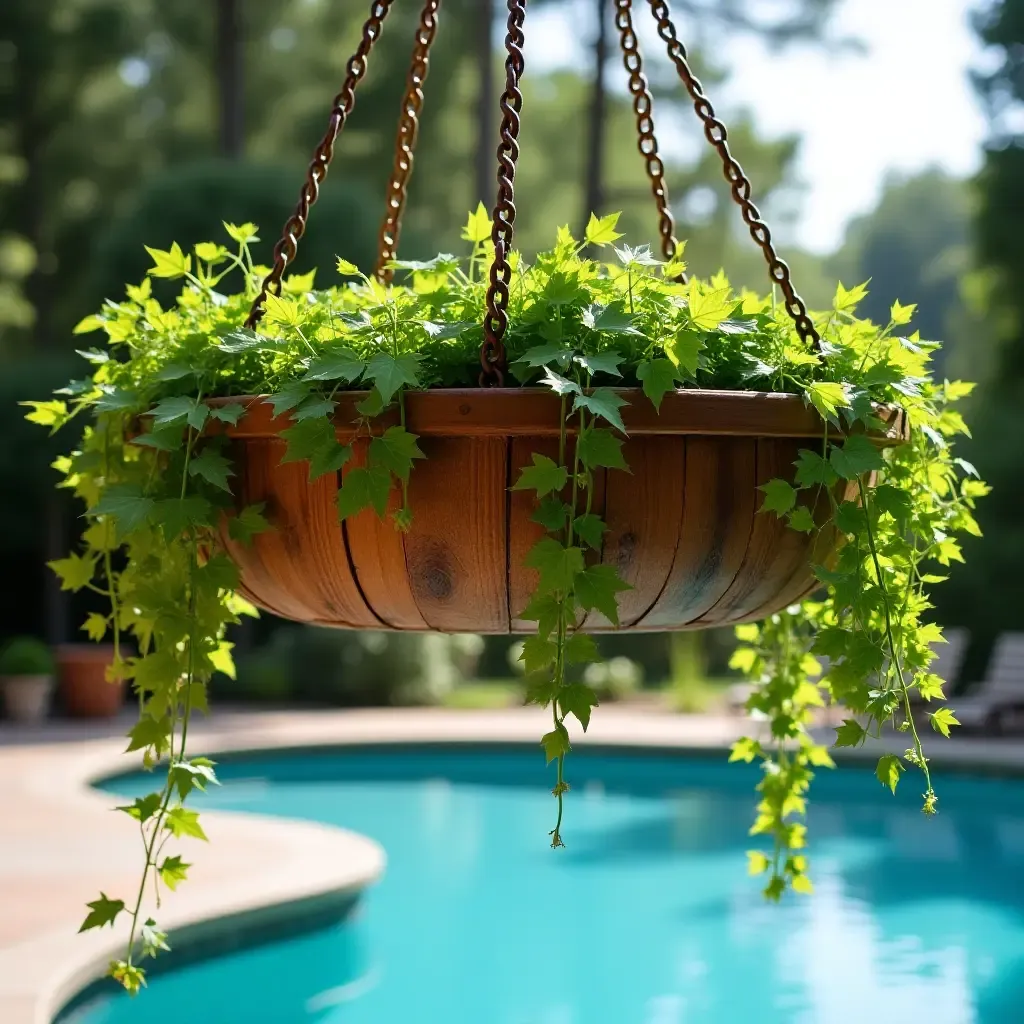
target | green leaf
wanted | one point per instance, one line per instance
(610, 319)
(812, 469)
(544, 609)
(942, 720)
(846, 300)
(551, 513)
(144, 807)
(545, 476)
(288, 397)
(389, 374)
(601, 362)
(600, 447)
(180, 821)
(899, 504)
(856, 457)
(779, 497)
(249, 522)
(335, 364)
(590, 529)
(130, 977)
(597, 587)
(153, 940)
(559, 384)
(888, 770)
(556, 564)
(126, 504)
(745, 749)
(757, 862)
(173, 871)
(170, 410)
(170, 263)
(95, 626)
(242, 233)
(478, 227)
(188, 775)
(347, 268)
(581, 649)
(579, 700)
(176, 515)
(541, 355)
(243, 339)
(801, 519)
(850, 734)
(605, 403)
(684, 351)
(538, 653)
(229, 413)
(555, 743)
(316, 441)
(102, 912)
(149, 732)
(364, 488)
(314, 407)
(47, 414)
(395, 449)
(658, 377)
(540, 690)
(75, 571)
(601, 231)
(708, 307)
(827, 397)
(213, 467)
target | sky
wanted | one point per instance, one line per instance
(902, 104)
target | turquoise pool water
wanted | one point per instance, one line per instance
(647, 917)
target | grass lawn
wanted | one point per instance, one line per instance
(485, 693)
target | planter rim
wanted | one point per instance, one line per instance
(535, 412)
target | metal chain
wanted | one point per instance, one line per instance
(716, 134)
(492, 351)
(405, 143)
(643, 105)
(341, 108)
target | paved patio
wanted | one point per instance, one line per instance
(61, 845)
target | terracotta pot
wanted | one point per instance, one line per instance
(683, 526)
(84, 690)
(27, 698)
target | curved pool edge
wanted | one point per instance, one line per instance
(52, 796)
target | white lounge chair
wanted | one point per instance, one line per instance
(997, 705)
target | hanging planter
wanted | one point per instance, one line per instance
(675, 456)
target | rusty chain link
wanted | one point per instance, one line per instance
(716, 134)
(492, 351)
(643, 106)
(405, 143)
(341, 107)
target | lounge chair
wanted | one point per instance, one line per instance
(997, 705)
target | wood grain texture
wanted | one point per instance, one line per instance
(377, 551)
(455, 552)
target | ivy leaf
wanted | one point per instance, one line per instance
(171, 409)
(543, 609)
(757, 862)
(888, 770)
(559, 384)
(555, 743)
(538, 652)
(144, 807)
(580, 649)
(541, 355)
(579, 700)
(389, 374)
(315, 441)
(942, 720)
(856, 457)
(102, 912)
(126, 504)
(47, 414)
(364, 488)
(478, 227)
(779, 497)
(130, 977)
(75, 571)
(244, 339)
(745, 749)
(169, 263)
(801, 519)
(95, 626)
(658, 377)
(812, 469)
(708, 307)
(335, 364)
(314, 407)
(556, 564)
(600, 447)
(596, 587)
(601, 231)
(827, 397)
(395, 449)
(541, 690)
(545, 476)
(347, 268)
(176, 515)
(590, 529)
(551, 513)
(249, 522)
(189, 775)
(149, 732)
(289, 397)
(600, 362)
(153, 939)
(641, 256)
(850, 734)
(212, 467)
(180, 821)
(605, 403)
(610, 319)
(684, 351)
(173, 871)
(229, 413)
(899, 504)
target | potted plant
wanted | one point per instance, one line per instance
(87, 685)
(581, 441)
(26, 678)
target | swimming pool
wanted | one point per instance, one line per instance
(647, 917)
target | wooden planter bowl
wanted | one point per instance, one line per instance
(683, 525)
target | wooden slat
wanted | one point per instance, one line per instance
(455, 552)
(717, 518)
(643, 511)
(377, 550)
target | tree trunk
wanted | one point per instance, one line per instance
(487, 132)
(229, 75)
(593, 190)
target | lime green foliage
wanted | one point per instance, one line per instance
(579, 327)
(25, 656)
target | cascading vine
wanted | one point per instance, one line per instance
(155, 471)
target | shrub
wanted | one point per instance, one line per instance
(26, 656)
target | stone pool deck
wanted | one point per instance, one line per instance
(61, 844)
